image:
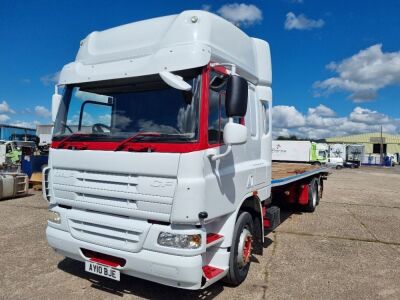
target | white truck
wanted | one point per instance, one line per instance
(160, 165)
(44, 132)
(299, 151)
(351, 155)
(354, 154)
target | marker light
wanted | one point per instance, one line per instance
(54, 217)
(182, 241)
(194, 19)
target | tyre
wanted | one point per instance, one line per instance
(313, 195)
(316, 163)
(239, 260)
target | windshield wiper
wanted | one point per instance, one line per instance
(133, 137)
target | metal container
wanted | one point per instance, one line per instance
(13, 185)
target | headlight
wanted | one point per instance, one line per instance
(54, 217)
(183, 241)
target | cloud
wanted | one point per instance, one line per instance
(241, 14)
(363, 74)
(322, 110)
(301, 22)
(287, 116)
(50, 78)
(26, 110)
(322, 122)
(25, 124)
(367, 116)
(4, 118)
(42, 112)
(5, 108)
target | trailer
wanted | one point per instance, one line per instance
(354, 154)
(299, 151)
(170, 179)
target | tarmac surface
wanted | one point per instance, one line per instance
(349, 248)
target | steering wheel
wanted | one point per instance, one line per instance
(99, 128)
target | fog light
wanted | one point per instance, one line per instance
(54, 217)
(183, 241)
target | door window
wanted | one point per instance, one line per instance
(216, 108)
(265, 113)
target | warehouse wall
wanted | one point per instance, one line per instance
(393, 148)
(6, 132)
(390, 148)
(368, 148)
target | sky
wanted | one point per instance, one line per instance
(335, 64)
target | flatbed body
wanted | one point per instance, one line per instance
(286, 173)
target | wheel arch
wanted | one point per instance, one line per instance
(252, 204)
(226, 224)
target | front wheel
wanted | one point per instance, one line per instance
(242, 243)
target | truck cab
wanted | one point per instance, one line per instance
(320, 152)
(9, 152)
(160, 163)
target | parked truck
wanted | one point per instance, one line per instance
(9, 153)
(299, 151)
(165, 173)
(354, 154)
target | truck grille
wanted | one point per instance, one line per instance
(121, 194)
(111, 231)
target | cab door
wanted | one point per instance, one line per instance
(264, 96)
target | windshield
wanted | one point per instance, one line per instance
(117, 109)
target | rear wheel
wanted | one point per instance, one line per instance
(242, 243)
(313, 195)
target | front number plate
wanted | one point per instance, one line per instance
(101, 270)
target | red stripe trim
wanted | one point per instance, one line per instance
(104, 259)
(105, 262)
(210, 271)
(212, 237)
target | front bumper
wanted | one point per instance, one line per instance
(177, 271)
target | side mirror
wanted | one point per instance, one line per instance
(236, 96)
(235, 134)
(55, 104)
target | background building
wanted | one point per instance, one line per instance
(9, 132)
(371, 142)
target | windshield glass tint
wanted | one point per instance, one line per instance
(122, 109)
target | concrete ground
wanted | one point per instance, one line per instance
(349, 248)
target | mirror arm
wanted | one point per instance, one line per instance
(228, 150)
(215, 157)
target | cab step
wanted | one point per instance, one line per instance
(213, 238)
(272, 217)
